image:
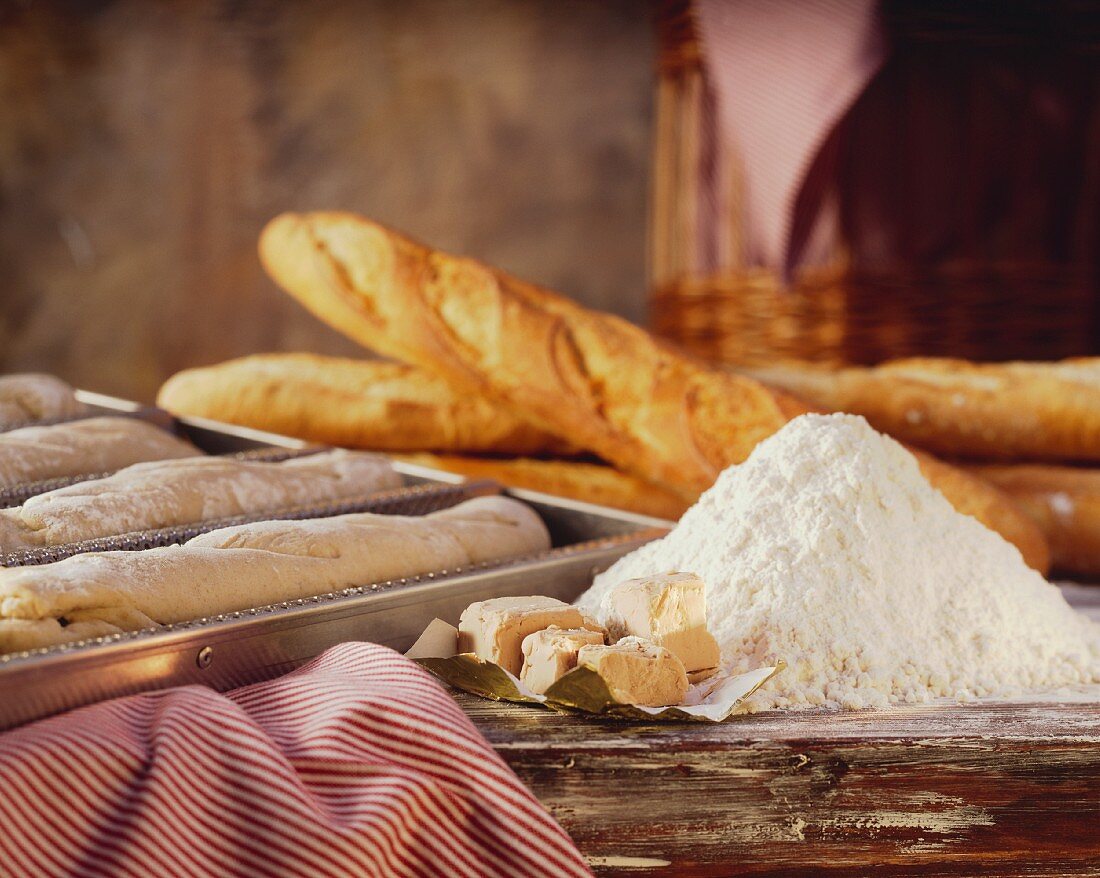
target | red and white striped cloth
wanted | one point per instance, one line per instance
(357, 764)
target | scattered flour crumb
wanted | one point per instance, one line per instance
(829, 550)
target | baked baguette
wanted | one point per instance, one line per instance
(590, 482)
(1020, 411)
(599, 381)
(90, 445)
(1065, 503)
(352, 403)
(36, 397)
(185, 491)
(252, 565)
(605, 384)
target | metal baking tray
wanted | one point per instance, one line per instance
(16, 495)
(236, 649)
(409, 500)
(227, 440)
(219, 439)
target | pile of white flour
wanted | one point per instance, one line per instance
(829, 550)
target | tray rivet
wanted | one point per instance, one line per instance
(205, 657)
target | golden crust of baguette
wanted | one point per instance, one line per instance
(1065, 502)
(352, 403)
(995, 411)
(578, 480)
(605, 384)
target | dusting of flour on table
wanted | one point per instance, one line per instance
(829, 550)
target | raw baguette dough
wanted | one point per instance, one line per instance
(252, 565)
(1032, 411)
(164, 493)
(1065, 502)
(90, 445)
(351, 403)
(36, 397)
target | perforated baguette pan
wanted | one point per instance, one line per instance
(424, 490)
(260, 643)
(208, 436)
(410, 500)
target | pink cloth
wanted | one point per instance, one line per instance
(784, 72)
(357, 764)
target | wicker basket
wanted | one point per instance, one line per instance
(1014, 303)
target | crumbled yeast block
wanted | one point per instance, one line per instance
(669, 609)
(494, 629)
(638, 672)
(550, 654)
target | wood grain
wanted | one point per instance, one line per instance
(957, 790)
(995, 790)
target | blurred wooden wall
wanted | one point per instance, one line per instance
(143, 144)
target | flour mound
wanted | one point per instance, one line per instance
(829, 550)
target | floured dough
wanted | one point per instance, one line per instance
(188, 490)
(36, 397)
(90, 445)
(252, 565)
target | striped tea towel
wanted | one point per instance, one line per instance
(358, 764)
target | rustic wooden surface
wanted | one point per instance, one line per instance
(991, 789)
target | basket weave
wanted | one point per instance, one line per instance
(707, 299)
(832, 315)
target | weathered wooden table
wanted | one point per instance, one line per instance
(990, 789)
(960, 790)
